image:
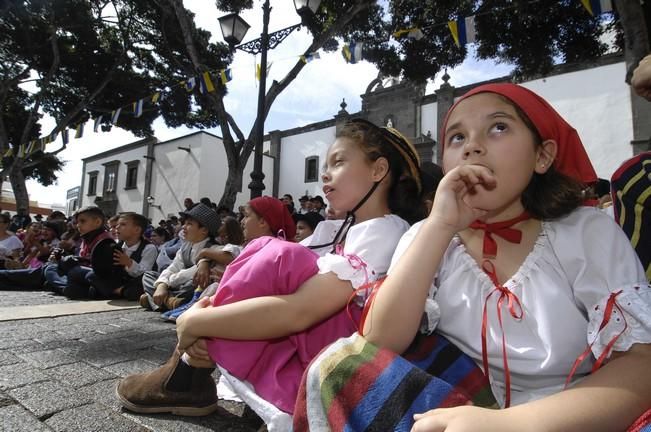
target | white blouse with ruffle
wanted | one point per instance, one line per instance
(563, 286)
(367, 251)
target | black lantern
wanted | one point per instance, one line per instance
(303, 6)
(234, 28)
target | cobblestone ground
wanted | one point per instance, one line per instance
(59, 374)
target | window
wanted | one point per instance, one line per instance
(110, 177)
(92, 183)
(311, 169)
(132, 175)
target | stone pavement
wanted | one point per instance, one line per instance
(59, 373)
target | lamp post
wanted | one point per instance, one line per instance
(233, 29)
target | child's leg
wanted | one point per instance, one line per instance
(148, 280)
(78, 284)
(27, 279)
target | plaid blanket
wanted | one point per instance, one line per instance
(355, 386)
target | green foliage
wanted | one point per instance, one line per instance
(45, 171)
(531, 35)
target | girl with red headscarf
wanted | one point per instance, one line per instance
(514, 271)
(279, 303)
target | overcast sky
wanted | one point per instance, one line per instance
(313, 96)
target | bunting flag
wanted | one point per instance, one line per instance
(9, 152)
(155, 97)
(310, 57)
(30, 147)
(597, 7)
(98, 121)
(21, 151)
(79, 130)
(115, 115)
(413, 33)
(137, 108)
(41, 145)
(463, 30)
(225, 75)
(53, 136)
(258, 69)
(352, 53)
(64, 134)
(206, 85)
(190, 84)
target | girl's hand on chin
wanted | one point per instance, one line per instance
(464, 419)
(450, 207)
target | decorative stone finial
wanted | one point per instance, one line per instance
(445, 77)
(343, 106)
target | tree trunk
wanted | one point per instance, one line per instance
(232, 187)
(636, 36)
(18, 185)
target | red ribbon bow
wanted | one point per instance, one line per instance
(502, 229)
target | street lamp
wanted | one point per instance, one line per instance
(151, 201)
(233, 29)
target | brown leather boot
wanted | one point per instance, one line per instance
(174, 388)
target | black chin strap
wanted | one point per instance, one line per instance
(349, 220)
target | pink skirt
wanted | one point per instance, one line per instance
(270, 266)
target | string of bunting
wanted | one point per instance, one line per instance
(462, 31)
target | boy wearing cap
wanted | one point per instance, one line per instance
(174, 286)
(318, 205)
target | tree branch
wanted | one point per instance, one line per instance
(278, 86)
(186, 26)
(31, 119)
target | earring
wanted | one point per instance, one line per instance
(542, 165)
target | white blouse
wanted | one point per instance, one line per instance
(367, 251)
(563, 287)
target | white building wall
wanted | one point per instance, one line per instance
(175, 174)
(214, 172)
(201, 172)
(428, 113)
(597, 103)
(294, 150)
(128, 200)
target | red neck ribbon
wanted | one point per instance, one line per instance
(502, 229)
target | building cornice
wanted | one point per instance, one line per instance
(143, 143)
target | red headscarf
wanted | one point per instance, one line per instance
(275, 213)
(571, 158)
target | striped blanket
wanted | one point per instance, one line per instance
(355, 386)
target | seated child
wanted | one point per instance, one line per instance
(514, 271)
(279, 303)
(133, 256)
(174, 286)
(68, 275)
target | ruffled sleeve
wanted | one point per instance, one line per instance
(432, 313)
(367, 253)
(608, 280)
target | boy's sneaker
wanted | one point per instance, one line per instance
(172, 303)
(173, 314)
(144, 302)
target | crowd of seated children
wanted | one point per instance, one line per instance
(174, 286)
